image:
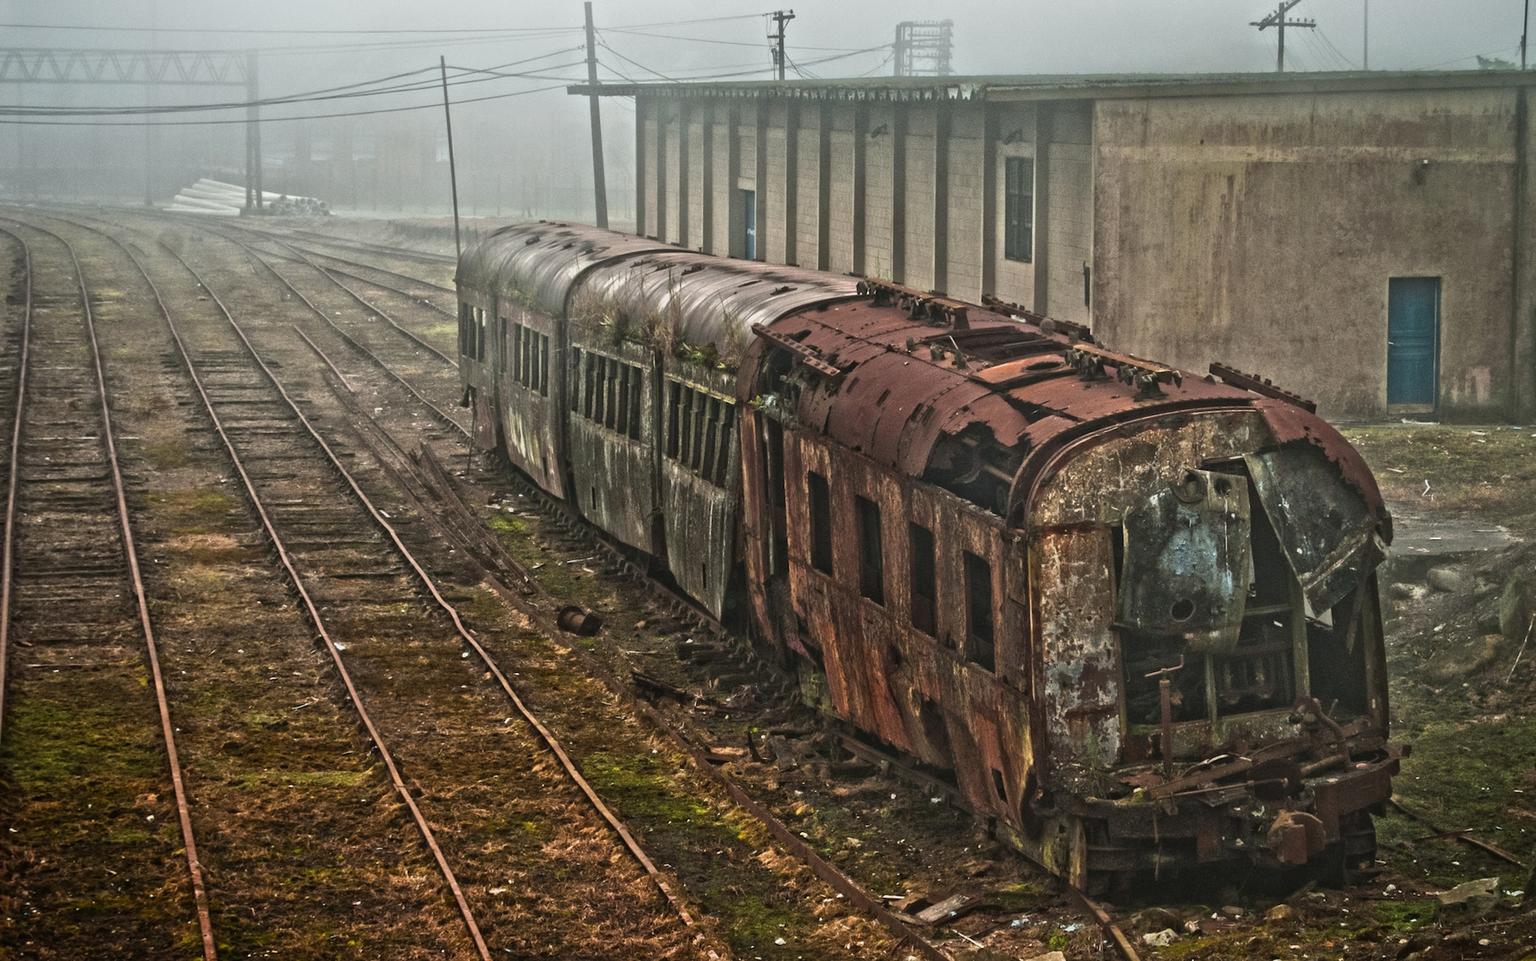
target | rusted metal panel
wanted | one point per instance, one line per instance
(613, 474)
(531, 417)
(1079, 687)
(1187, 565)
(1326, 528)
(700, 513)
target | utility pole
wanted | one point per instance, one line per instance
(1365, 45)
(1525, 29)
(1280, 21)
(253, 186)
(453, 173)
(599, 179)
(780, 18)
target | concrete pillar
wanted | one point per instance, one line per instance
(941, 131)
(642, 115)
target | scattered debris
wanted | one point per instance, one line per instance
(1472, 899)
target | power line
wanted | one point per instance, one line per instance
(681, 77)
(322, 116)
(273, 31)
(344, 92)
(713, 40)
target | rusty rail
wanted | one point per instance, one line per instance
(1463, 836)
(437, 412)
(368, 305)
(698, 755)
(423, 577)
(7, 563)
(550, 741)
(152, 648)
(313, 613)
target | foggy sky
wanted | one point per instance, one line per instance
(541, 138)
(993, 36)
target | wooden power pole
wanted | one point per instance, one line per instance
(780, 18)
(599, 180)
(453, 173)
(1280, 21)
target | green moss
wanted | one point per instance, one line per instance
(1469, 469)
(192, 508)
(1405, 915)
(502, 524)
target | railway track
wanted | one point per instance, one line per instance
(662, 613)
(701, 667)
(70, 547)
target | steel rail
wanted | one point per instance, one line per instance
(7, 564)
(437, 412)
(631, 844)
(401, 253)
(368, 305)
(408, 278)
(285, 559)
(416, 299)
(697, 754)
(152, 648)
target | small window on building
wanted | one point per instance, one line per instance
(821, 521)
(871, 558)
(978, 607)
(1019, 209)
(921, 579)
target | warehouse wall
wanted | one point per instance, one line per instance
(1262, 232)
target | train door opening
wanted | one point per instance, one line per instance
(778, 514)
(1413, 342)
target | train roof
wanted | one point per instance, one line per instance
(926, 385)
(704, 300)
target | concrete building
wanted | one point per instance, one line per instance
(1362, 239)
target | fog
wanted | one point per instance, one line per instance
(528, 155)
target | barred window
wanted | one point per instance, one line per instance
(699, 429)
(609, 392)
(529, 351)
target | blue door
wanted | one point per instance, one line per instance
(1413, 340)
(749, 224)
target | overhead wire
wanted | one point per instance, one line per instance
(343, 92)
(434, 105)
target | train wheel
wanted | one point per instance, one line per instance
(1357, 847)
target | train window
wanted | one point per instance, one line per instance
(574, 391)
(871, 558)
(516, 340)
(464, 315)
(821, 521)
(699, 428)
(611, 390)
(674, 399)
(480, 334)
(979, 648)
(921, 579)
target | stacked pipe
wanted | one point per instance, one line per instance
(215, 197)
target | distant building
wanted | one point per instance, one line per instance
(1364, 238)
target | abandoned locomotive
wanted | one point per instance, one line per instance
(1131, 613)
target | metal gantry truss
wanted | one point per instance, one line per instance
(924, 48)
(178, 68)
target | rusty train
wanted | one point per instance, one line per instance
(1131, 613)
